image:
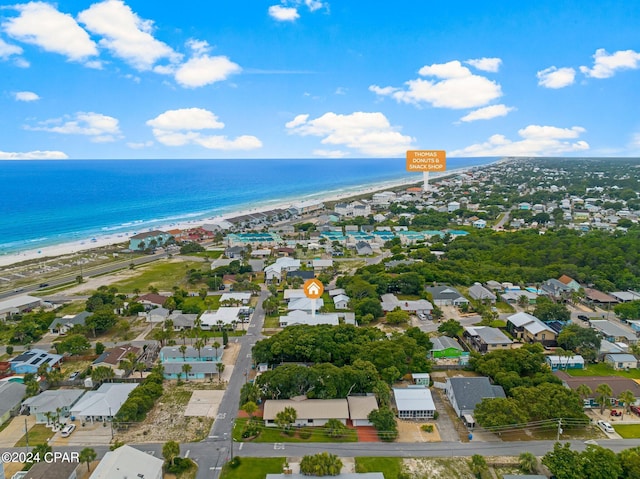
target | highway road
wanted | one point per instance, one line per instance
(86, 273)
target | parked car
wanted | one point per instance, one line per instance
(616, 413)
(74, 375)
(582, 317)
(67, 430)
(635, 410)
(605, 426)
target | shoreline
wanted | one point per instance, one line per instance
(100, 241)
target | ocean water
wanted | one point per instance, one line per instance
(45, 203)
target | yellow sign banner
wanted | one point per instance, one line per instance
(426, 160)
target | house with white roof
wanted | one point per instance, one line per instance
(18, 304)
(224, 317)
(305, 304)
(303, 317)
(128, 462)
(275, 272)
(310, 412)
(414, 402)
(557, 362)
(383, 198)
(528, 328)
(102, 404)
(240, 297)
(360, 407)
(341, 301)
(391, 302)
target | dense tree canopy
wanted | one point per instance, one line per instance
(511, 368)
(344, 344)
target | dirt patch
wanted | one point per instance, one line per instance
(167, 420)
(451, 468)
(411, 431)
(231, 353)
(92, 284)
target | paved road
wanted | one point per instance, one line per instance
(86, 273)
(215, 450)
(210, 455)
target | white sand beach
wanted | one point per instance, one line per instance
(123, 237)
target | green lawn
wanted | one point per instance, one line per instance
(274, 434)
(212, 254)
(38, 434)
(389, 466)
(253, 468)
(164, 275)
(603, 369)
(628, 431)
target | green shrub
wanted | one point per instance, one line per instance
(235, 462)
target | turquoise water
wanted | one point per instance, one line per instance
(46, 203)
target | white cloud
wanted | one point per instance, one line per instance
(553, 77)
(204, 70)
(635, 141)
(186, 119)
(486, 64)
(33, 155)
(185, 127)
(126, 35)
(243, 142)
(535, 140)
(367, 133)
(605, 64)
(42, 25)
(283, 14)
(6, 50)
(287, 11)
(487, 113)
(330, 153)
(139, 145)
(458, 88)
(341, 90)
(101, 128)
(314, 5)
(26, 96)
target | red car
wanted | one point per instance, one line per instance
(616, 413)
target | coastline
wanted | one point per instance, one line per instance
(100, 241)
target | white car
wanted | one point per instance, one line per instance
(605, 426)
(67, 430)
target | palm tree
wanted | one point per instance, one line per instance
(183, 350)
(603, 393)
(186, 369)
(220, 367)
(584, 391)
(216, 345)
(478, 464)
(87, 455)
(199, 345)
(628, 399)
(528, 462)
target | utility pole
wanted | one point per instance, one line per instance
(26, 433)
(559, 429)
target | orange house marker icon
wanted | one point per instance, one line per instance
(313, 288)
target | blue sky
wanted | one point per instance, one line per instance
(312, 78)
